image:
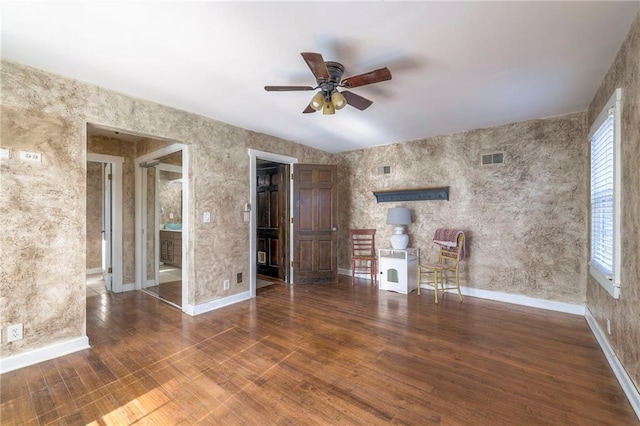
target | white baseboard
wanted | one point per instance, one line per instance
(46, 353)
(629, 388)
(347, 272)
(128, 287)
(516, 299)
(215, 304)
(94, 271)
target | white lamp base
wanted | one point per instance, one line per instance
(399, 240)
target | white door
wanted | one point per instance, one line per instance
(107, 231)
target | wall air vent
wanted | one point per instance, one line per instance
(496, 158)
(384, 170)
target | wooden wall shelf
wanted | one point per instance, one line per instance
(412, 194)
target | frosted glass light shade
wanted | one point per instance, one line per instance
(317, 101)
(328, 109)
(338, 100)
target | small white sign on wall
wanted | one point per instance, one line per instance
(33, 157)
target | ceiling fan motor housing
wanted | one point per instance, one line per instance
(335, 70)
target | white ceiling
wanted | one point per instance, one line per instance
(456, 65)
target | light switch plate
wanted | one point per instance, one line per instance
(206, 217)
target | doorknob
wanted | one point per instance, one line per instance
(334, 229)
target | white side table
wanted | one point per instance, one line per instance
(398, 269)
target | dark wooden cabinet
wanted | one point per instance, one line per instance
(171, 248)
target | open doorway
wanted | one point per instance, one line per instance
(281, 165)
(272, 222)
(117, 155)
(104, 224)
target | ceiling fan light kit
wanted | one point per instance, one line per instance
(328, 78)
(317, 102)
(338, 100)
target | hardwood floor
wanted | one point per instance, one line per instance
(322, 354)
(170, 291)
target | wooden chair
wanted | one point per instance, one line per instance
(363, 254)
(440, 274)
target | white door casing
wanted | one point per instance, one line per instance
(116, 240)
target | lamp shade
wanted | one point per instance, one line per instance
(317, 101)
(338, 100)
(328, 108)
(398, 216)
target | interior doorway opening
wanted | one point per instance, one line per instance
(103, 245)
(269, 160)
(272, 222)
(118, 154)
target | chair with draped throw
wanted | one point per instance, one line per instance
(445, 273)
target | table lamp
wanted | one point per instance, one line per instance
(399, 216)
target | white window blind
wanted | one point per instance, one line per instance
(605, 196)
(602, 197)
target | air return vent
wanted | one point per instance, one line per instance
(384, 170)
(495, 158)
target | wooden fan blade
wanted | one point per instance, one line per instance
(382, 74)
(316, 65)
(308, 110)
(356, 101)
(287, 88)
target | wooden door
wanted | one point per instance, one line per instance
(315, 224)
(272, 215)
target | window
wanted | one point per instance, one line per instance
(604, 263)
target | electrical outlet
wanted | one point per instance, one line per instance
(14, 332)
(239, 277)
(226, 285)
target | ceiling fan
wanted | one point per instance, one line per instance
(328, 78)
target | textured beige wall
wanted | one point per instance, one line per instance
(127, 150)
(525, 220)
(43, 207)
(94, 215)
(624, 313)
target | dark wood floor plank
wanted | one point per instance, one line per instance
(322, 354)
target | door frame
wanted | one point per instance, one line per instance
(107, 229)
(141, 221)
(255, 155)
(116, 215)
